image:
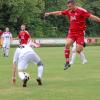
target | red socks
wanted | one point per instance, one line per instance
(67, 54)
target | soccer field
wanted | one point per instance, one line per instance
(79, 82)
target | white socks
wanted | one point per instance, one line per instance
(82, 56)
(73, 58)
(21, 75)
(40, 71)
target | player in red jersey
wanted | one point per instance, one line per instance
(77, 17)
(23, 35)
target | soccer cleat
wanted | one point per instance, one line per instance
(25, 82)
(39, 81)
(66, 66)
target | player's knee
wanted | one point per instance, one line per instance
(40, 63)
(67, 46)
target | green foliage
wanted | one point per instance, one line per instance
(16, 12)
(94, 7)
(13, 13)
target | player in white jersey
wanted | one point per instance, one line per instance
(6, 38)
(22, 56)
(82, 55)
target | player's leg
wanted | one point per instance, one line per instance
(40, 73)
(69, 42)
(79, 48)
(80, 42)
(80, 45)
(73, 56)
(83, 57)
(7, 50)
(4, 49)
(22, 65)
(36, 59)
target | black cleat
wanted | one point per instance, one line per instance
(66, 66)
(39, 81)
(25, 82)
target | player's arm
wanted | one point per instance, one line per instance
(95, 18)
(15, 60)
(53, 13)
(14, 73)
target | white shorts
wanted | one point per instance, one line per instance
(28, 57)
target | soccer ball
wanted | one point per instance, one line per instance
(27, 75)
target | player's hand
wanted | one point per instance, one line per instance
(14, 80)
(46, 14)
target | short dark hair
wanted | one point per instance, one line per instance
(71, 1)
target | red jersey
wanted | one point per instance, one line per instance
(77, 19)
(23, 36)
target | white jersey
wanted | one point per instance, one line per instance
(6, 37)
(25, 50)
(21, 51)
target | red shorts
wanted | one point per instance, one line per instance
(77, 36)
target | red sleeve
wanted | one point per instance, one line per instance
(65, 12)
(27, 34)
(86, 14)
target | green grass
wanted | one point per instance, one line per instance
(80, 82)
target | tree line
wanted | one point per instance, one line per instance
(13, 13)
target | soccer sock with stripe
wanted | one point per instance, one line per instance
(40, 71)
(67, 54)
